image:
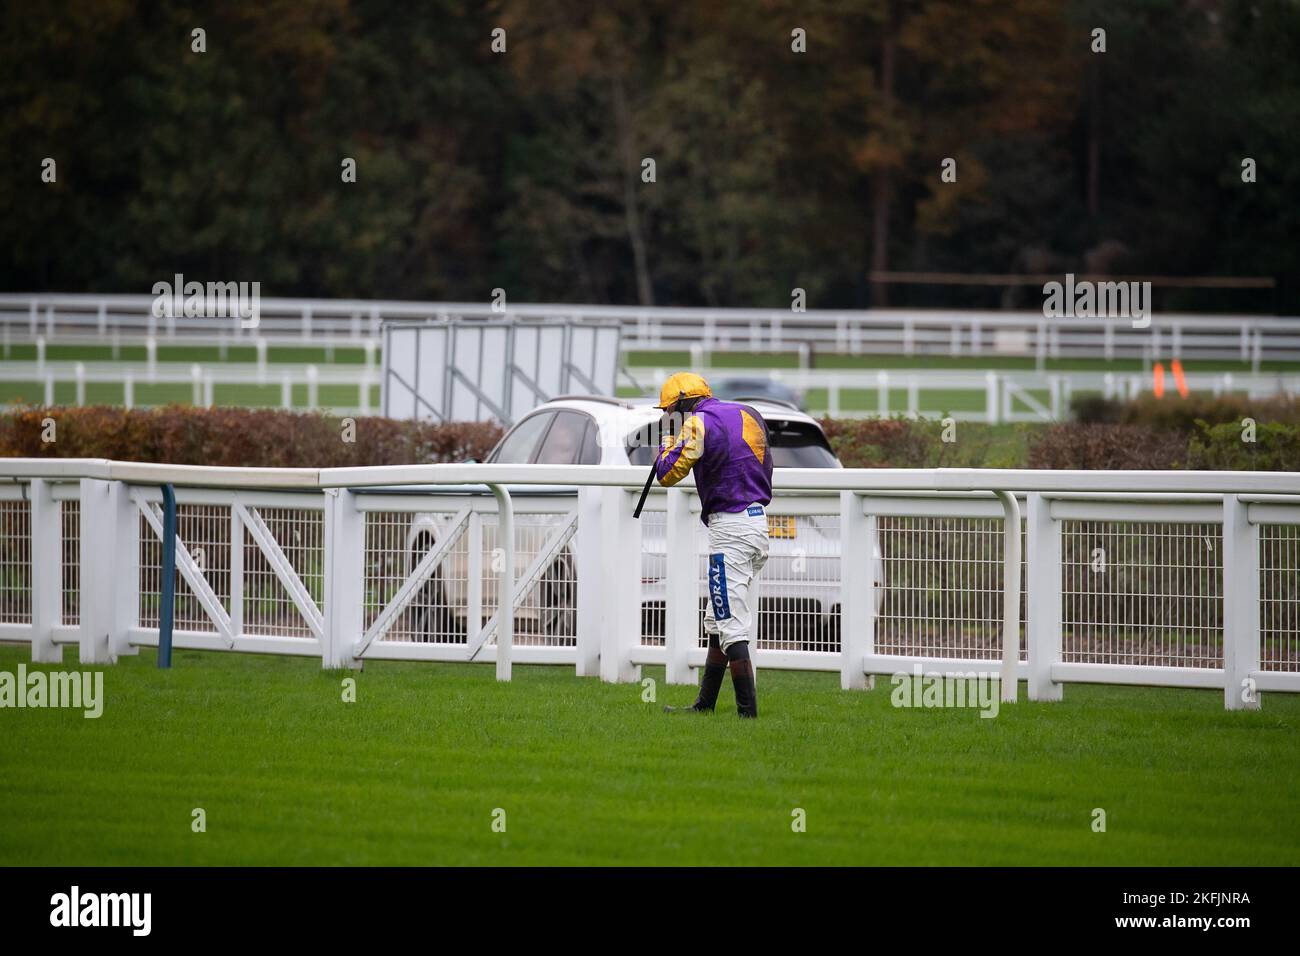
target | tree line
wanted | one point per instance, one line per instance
(651, 152)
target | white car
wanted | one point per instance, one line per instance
(799, 589)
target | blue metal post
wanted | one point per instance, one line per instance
(167, 601)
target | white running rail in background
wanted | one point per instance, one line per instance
(992, 397)
(106, 319)
(1188, 579)
(296, 385)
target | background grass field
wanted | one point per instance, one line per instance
(643, 365)
(588, 773)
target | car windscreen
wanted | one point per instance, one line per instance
(517, 447)
(564, 441)
(794, 445)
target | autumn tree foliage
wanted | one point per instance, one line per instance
(776, 163)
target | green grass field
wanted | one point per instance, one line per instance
(588, 773)
(146, 394)
(642, 364)
(644, 359)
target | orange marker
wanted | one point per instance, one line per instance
(1177, 368)
(1159, 386)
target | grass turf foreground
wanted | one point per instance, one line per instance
(589, 773)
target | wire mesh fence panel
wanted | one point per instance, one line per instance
(1142, 593)
(702, 575)
(799, 588)
(654, 577)
(938, 580)
(942, 587)
(385, 564)
(441, 609)
(654, 574)
(268, 606)
(492, 557)
(15, 562)
(547, 616)
(395, 544)
(1279, 597)
(205, 532)
(70, 562)
(151, 574)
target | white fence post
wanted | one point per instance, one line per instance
(97, 579)
(857, 592)
(474, 584)
(47, 572)
(621, 594)
(590, 570)
(1240, 606)
(237, 569)
(506, 585)
(1010, 596)
(1043, 611)
(126, 570)
(345, 532)
(681, 588)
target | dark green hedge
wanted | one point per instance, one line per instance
(240, 437)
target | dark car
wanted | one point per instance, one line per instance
(736, 389)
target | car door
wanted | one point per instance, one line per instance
(555, 598)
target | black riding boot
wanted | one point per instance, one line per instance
(715, 666)
(742, 678)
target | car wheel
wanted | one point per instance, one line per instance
(431, 616)
(558, 598)
(830, 634)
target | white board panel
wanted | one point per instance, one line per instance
(479, 371)
(399, 360)
(525, 368)
(491, 370)
(604, 368)
(431, 370)
(549, 373)
(467, 345)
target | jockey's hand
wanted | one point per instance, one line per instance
(670, 424)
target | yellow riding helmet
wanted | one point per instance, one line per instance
(682, 385)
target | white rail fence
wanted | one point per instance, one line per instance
(105, 319)
(992, 397)
(298, 385)
(1187, 579)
